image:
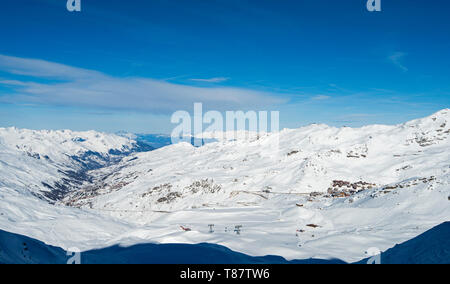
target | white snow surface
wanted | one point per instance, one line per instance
(279, 194)
(30, 157)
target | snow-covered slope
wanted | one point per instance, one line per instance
(325, 192)
(432, 247)
(18, 249)
(314, 159)
(51, 163)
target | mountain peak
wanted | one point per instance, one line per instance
(444, 112)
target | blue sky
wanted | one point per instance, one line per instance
(127, 65)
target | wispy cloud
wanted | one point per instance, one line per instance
(320, 98)
(396, 59)
(88, 88)
(211, 80)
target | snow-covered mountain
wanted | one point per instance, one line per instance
(317, 158)
(325, 192)
(51, 163)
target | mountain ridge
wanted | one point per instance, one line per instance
(325, 192)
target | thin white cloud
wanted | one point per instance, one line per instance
(43, 69)
(87, 88)
(320, 98)
(12, 83)
(396, 59)
(211, 80)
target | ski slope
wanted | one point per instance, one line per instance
(324, 193)
(432, 247)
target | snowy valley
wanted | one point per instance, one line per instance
(324, 193)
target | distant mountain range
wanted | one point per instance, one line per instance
(322, 193)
